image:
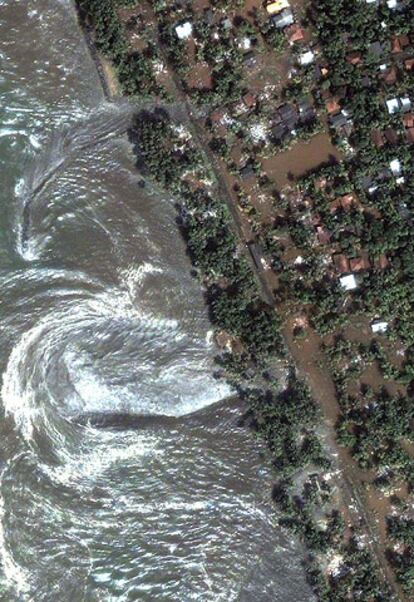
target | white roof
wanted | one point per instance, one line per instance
(379, 326)
(393, 105)
(405, 102)
(245, 43)
(348, 282)
(306, 58)
(184, 30)
(392, 3)
(395, 167)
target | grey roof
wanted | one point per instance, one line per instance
(283, 19)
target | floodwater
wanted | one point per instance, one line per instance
(301, 158)
(99, 316)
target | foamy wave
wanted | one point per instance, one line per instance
(13, 572)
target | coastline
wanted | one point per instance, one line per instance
(349, 498)
(106, 72)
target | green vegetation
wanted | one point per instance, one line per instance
(134, 69)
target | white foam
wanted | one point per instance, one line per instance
(13, 572)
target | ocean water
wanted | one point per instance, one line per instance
(99, 316)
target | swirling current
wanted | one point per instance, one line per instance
(100, 317)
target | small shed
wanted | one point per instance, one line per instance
(184, 30)
(348, 282)
(379, 326)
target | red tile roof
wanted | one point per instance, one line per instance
(249, 99)
(359, 263)
(395, 45)
(408, 120)
(332, 105)
(409, 64)
(323, 235)
(341, 263)
(377, 138)
(354, 58)
(382, 262)
(295, 33)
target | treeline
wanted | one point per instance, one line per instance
(232, 294)
(134, 69)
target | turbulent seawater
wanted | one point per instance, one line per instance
(99, 315)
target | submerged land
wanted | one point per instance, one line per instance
(284, 131)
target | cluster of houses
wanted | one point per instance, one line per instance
(280, 13)
(345, 268)
(402, 49)
(291, 116)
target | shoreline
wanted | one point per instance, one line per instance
(306, 376)
(106, 72)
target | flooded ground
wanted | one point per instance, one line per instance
(300, 159)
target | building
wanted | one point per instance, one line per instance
(306, 58)
(395, 167)
(377, 138)
(295, 34)
(323, 235)
(348, 282)
(341, 263)
(359, 264)
(247, 171)
(184, 30)
(332, 105)
(283, 19)
(379, 326)
(276, 7)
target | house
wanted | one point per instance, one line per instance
(245, 43)
(332, 105)
(410, 135)
(247, 171)
(391, 136)
(395, 167)
(184, 30)
(382, 262)
(323, 235)
(393, 105)
(347, 200)
(397, 105)
(358, 264)
(394, 4)
(306, 58)
(276, 7)
(279, 132)
(283, 19)
(342, 121)
(354, 58)
(295, 34)
(288, 115)
(376, 49)
(341, 263)
(379, 326)
(306, 111)
(377, 138)
(409, 64)
(249, 59)
(249, 100)
(348, 282)
(389, 75)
